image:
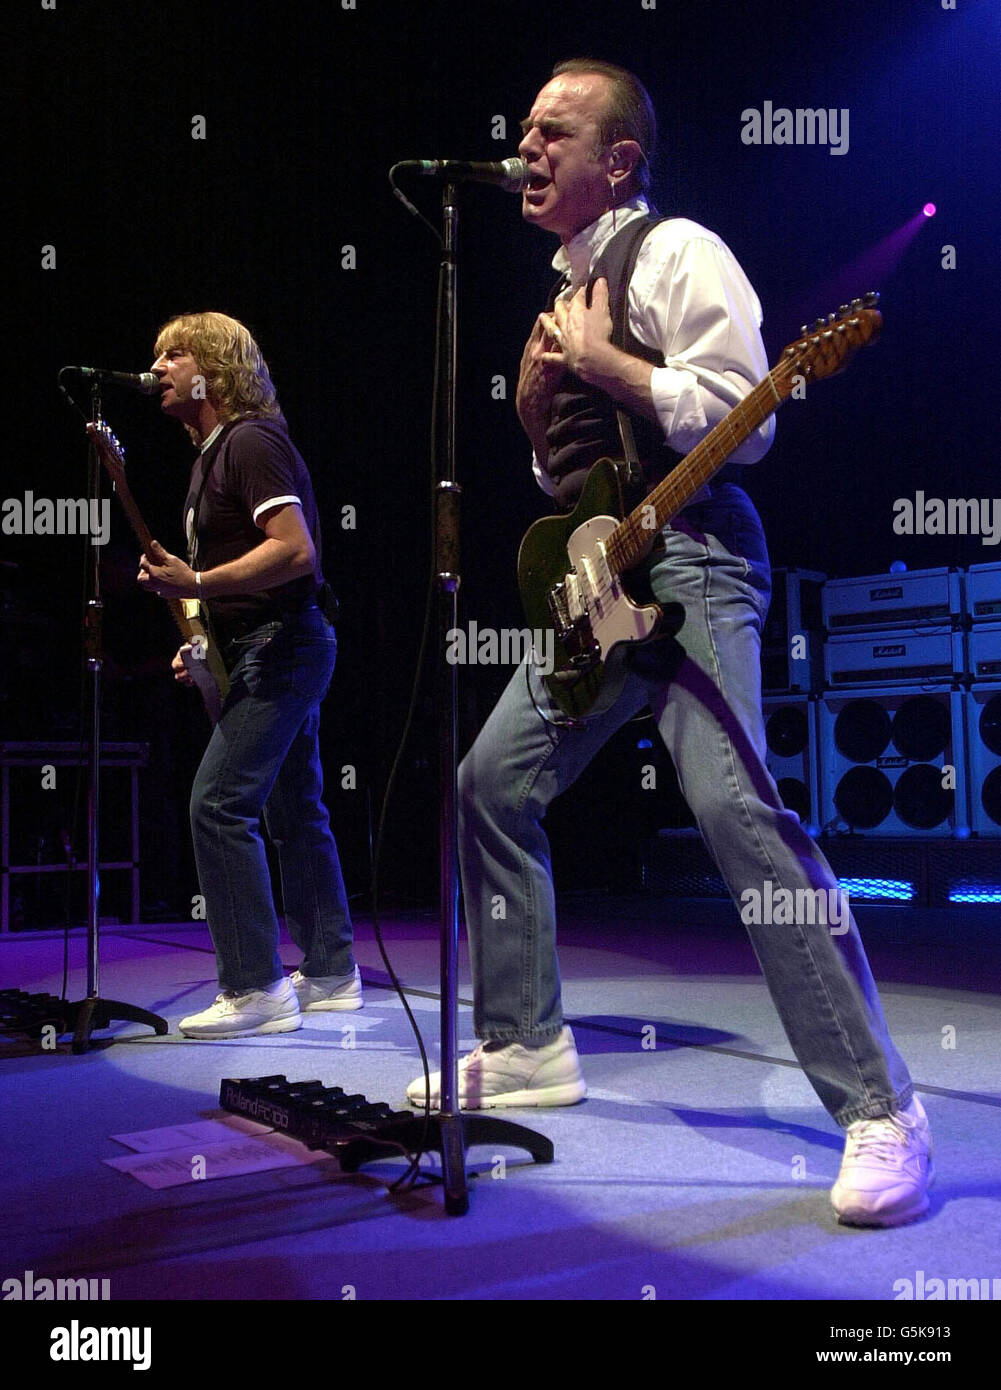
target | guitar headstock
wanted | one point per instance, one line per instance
(827, 347)
(102, 436)
(112, 453)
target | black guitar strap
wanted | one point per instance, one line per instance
(616, 264)
(203, 608)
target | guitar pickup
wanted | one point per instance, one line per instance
(559, 609)
(576, 608)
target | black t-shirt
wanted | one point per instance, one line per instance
(251, 466)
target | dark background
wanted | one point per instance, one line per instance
(306, 107)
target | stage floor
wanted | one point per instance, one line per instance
(698, 1168)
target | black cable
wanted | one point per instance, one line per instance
(409, 1177)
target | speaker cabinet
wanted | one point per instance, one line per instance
(983, 741)
(791, 755)
(893, 762)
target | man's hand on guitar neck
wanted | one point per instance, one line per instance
(165, 574)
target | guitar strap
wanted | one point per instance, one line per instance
(628, 245)
(203, 608)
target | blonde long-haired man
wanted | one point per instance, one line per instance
(254, 563)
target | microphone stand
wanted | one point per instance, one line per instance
(455, 1130)
(84, 1015)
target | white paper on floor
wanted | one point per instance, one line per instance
(199, 1132)
(181, 1154)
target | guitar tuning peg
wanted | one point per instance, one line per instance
(819, 324)
(871, 299)
(832, 318)
(843, 309)
(803, 330)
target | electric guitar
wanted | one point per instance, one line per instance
(572, 570)
(203, 662)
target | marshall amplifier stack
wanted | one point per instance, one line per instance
(893, 746)
(894, 628)
(915, 749)
(792, 643)
(881, 697)
(983, 699)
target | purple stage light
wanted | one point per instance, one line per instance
(869, 270)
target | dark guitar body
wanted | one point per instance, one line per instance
(581, 683)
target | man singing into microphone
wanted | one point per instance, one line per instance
(254, 562)
(674, 294)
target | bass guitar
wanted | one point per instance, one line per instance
(203, 662)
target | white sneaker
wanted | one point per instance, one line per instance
(886, 1171)
(236, 1015)
(500, 1074)
(317, 992)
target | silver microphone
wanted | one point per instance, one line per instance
(511, 175)
(144, 382)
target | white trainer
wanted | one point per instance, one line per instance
(502, 1074)
(886, 1170)
(239, 1015)
(319, 992)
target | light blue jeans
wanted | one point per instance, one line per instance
(263, 761)
(704, 691)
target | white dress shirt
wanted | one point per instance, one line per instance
(689, 300)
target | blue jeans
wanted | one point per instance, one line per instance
(704, 691)
(263, 759)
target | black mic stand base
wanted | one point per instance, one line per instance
(450, 1135)
(85, 1015)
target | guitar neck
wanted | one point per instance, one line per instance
(633, 537)
(142, 534)
(187, 628)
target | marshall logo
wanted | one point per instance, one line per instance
(877, 595)
(890, 649)
(892, 762)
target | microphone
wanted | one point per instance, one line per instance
(145, 382)
(509, 174)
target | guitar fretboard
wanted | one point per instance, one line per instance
(633, 537)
